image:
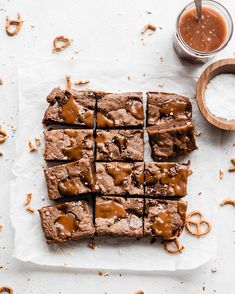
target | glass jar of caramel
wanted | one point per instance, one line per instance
(198, 40)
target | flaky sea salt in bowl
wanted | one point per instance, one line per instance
(216, 94)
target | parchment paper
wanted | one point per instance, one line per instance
(36, 80)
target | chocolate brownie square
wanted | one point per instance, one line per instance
(120, 110)
(119, 217)
(120, 178)
(65, 222)
(68, 144)
(164, 219)
(70, 107)
(166, 179)
(72, 179)
(167, 107)
(171, 140)
(123, 145)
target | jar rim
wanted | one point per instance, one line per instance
(228, 20)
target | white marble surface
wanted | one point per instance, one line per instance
(107, 30)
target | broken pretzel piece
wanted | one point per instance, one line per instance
(1, 227)
(68, 82)
(28, 199)
(3, 136)
(29, 209)
(14, 22)
(227, 201)
(32, 148)
(231, 169)
(221, 174)
(6, 289)
(178, 248)
(60, 43)
(233, 161)
(37, 142)
(82, 82)
(197, 223)
(148, 26)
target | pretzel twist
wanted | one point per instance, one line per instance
(60, 43)
(6, 289)
(199, 232)
(3, 136)
(178, 247)
(13, 22)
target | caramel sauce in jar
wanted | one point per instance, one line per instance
(205, 35)
(196, 41)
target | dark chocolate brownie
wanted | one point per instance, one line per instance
(166, 178)
(68, 221)
(167, 107)
(120, 178)
(68, 144)
(72, 179)
(164, 219)
(170, 140)
(119, 217)
(70, 107)
(120, 110)
(123, 145)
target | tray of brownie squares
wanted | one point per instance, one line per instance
(96, 176)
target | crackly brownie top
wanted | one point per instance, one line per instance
(118, 216)
(68, 144)
(116, 110)
(70, 107)
(120, 145)
(167, 106)
(120, 178)
(166, 178)
(66, 221)
(164, 219)
(70, 179)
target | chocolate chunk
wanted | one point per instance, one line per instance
(120, 178)
(68, 221)
(164, 219)
(171, 140)
(72, 179)
(165, 107)
(120, 110)
(68, 144)
(119, 217)
(123, 145)
(70, 107)
(166, 179)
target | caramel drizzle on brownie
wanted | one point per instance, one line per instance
(135, 107)
(109, 209)
(71, 112)
(162, 225)
(66, 225)
(119, 172)
(174, 176)
(69, 187)
(103, 121)
(174, 108)
(120, 141)
(75, 151)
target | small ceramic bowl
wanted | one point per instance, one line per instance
(217, 68)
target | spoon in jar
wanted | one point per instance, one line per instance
(198, 4)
